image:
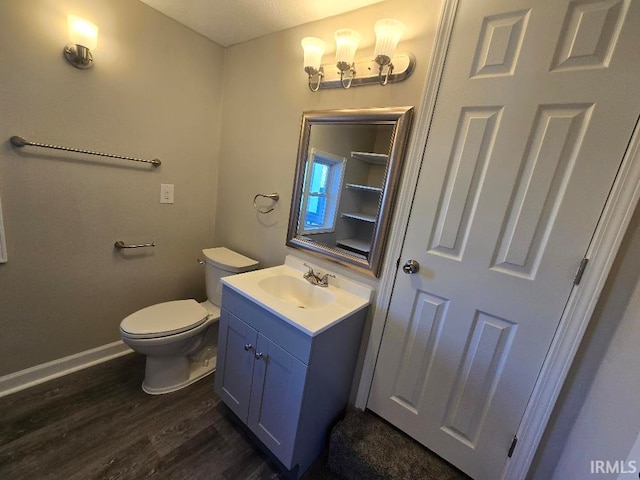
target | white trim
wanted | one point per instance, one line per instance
(408, 186)
(44, 372)
(613, 224)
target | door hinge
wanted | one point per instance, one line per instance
(580, 272)
(513, 446)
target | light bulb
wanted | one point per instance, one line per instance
(347, 42)
(82, 32)
(388, 33)
(313, 50)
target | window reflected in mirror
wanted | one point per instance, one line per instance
(321, 196)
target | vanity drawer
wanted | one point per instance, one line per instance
(294, 341)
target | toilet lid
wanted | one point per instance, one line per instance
(164, 319)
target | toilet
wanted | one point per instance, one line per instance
(179, 337)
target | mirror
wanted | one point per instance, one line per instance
(347, 175)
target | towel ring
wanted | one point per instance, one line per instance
(271, 196)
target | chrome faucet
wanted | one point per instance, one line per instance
(315, 278)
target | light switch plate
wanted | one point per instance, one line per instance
(166, 193)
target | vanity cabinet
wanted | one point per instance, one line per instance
(287, 386)
(268, 401)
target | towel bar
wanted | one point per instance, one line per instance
(120, 245)
(17, 141)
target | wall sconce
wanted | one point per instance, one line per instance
(388, 33)
(347, 42)
(386, 67)
(84, 37)
(313, 50)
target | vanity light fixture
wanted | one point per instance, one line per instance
(347, 42)
(83, 36)
(313, 50)
(388, 33)
(384, 67)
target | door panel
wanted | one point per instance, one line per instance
(276, 398)
(535, 109)
(556, 137)
(418, 350)
(590, 33)
(475, 383)
(499, 44)
(235, 363)
(472, 146)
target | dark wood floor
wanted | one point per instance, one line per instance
(99, 424)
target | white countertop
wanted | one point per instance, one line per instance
(349, 296)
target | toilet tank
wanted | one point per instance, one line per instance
(222, 262)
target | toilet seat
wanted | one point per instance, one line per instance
(164, 319)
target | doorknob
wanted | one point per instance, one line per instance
(411, 266)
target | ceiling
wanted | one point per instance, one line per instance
(227, 22)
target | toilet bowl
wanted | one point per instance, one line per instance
(179, 337)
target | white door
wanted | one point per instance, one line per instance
(535, 109)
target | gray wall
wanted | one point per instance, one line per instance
(154, 92)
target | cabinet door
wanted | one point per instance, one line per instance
(236, 344)
(276, 398)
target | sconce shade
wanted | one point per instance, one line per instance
(313, 50)
(347, 42)
(82, 32)
(388, 33)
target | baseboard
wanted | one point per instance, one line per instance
(30, 377)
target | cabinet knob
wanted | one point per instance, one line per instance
(248, 347)
(258, 355)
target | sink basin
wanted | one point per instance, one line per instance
(296, 291)
(284, 292)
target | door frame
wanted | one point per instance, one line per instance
(617, 213)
